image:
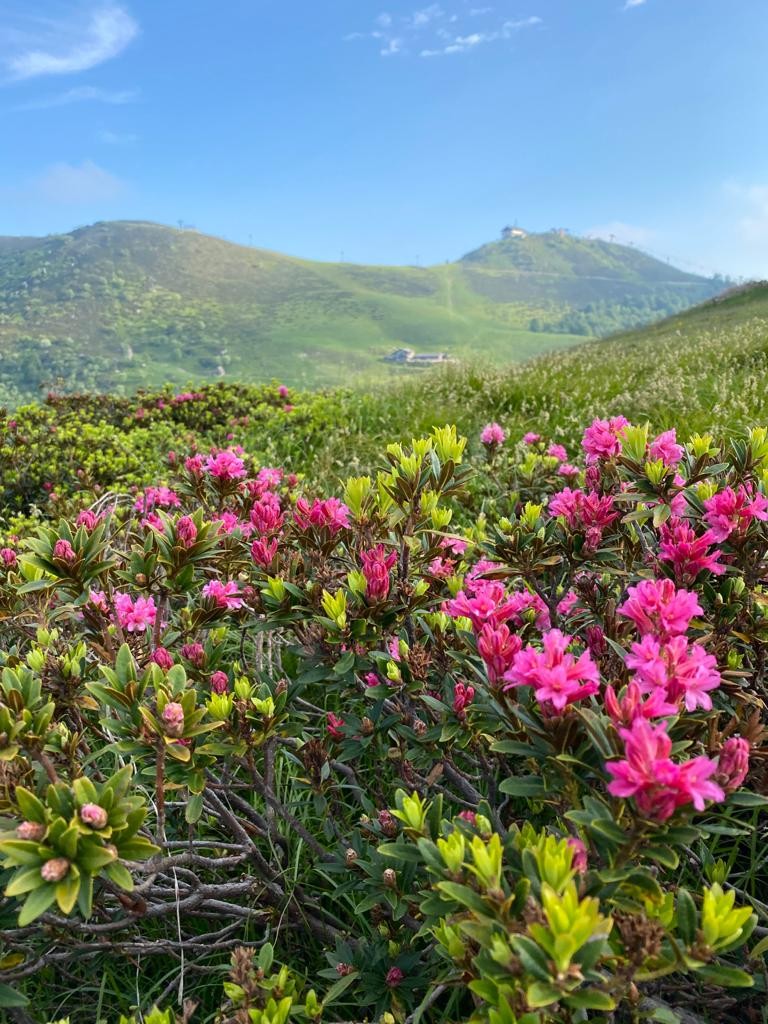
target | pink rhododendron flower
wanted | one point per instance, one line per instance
(157, 497)
(134, 616)
(634, 705)
(476, 574)
(656, 783)
(186, 531)
(442, 567)
(733, 763)
(64, 552)
(557, 677)
(152, 521)
(531, 437)
(225, 466)
(228, 523)
(568, 471)
(334, 726)
(456, 545)
(377, 565)
(492, 435)
(602, 439)
(731, 511)
(584, 512)
(469, 816)
(266, 515)
(88, 519)
(330, 513)
(666, 448)
(283, 391)
(194, 465)
(680, 670)
(8, 556)
(497, 647)
(99, 601)
(686, 553)
(223, 595)
(462, 698)
(557, 451)
(566, 604)
(394, 977)
(263, 552)
(656, 607)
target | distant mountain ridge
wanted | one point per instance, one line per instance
(123, 304)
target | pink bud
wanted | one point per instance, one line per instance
(55, 869)
(93, 815)
(173, 719)
(186, 531)
(733, 763)
(31, 830)
(219, 682)
(162, 658)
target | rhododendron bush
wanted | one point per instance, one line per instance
(480, 736)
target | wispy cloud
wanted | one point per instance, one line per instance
(77, 184)
(629, 4)
(66, 47)
(433, 31)
(117, 138)
(460, 44)
(83, 94)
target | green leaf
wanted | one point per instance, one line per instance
(663, 855)
(464, 895)
(523, 785)
(36, 904)
(10, 997)
(31, 808)
(590, 999)
(266, 956)
(194, 808)
(541, 994)
(686, 916)
(729, 977)
(338, 987)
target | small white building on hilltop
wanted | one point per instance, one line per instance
(513, 232)
(408, 357)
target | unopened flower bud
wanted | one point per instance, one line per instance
(31, 830)
(419, 727)
(173, 719)
(350, 856)
(55, 869)
(93, 815)
(366, 726)
(389, 878)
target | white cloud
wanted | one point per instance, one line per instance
(86, 93)
(460, 44)
(633, 3)
(66, 48)
(427, 14)
(77, 184)
(393, 47)
(117, 138)
(624, 234)
(433, 31)
(751, 203)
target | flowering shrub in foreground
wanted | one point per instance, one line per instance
(474, 740)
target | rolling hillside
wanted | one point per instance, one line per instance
(122, 305)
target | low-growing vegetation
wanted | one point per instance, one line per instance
(477, 735)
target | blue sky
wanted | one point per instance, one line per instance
(393, 132)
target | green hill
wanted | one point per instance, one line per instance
(122, 305)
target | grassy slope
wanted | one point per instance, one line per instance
(128, 304)
(703, 370)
